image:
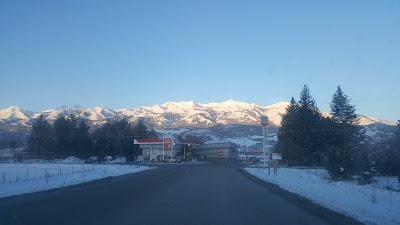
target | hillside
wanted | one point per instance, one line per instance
(216, 122)
(185, 114)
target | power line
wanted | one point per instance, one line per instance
(321, 130)
(97, 137)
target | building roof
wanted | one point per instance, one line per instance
(148, 141)
(155, 141)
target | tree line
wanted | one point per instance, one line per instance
(306, 138)
(69, 135)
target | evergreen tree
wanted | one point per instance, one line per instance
(388, 161)
(140, 130)
(83, 141)
(40, 141)
(101, 137)
(123, 133)
(311, 138)
(115, 139)
(72, 137)
(153, 134)
(345, 137)
(300, 136)
(286, 138)
(306, 100)
(341, 109)
(64, 134)
(310, 126)
(60, 133)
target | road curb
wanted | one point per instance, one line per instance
(333, 217)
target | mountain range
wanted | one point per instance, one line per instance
(185, 114)
(229, 121)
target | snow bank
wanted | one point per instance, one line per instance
(27, 178)
(118, 160)
(139, 159)
(368, 204)
(72, 160)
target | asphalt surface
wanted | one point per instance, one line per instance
(171, 194)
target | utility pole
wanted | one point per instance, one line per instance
(268, 143)
(163, 146)
(264, 123)
(172, 138)
(168, 131)
(265, 157)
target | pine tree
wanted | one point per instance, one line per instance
(347, 135)
(101, 140)
(388, 162)
(83, 141)
(397, 143)
(115, 139)
(63, 135)
(309, 129)
(306, 100)
(124, 134)
(286, 138)
(153, 134)
(41, 138)
(341, 109)
(72, 136)
(140, 130)
(300, 137)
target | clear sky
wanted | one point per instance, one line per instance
(125, 54)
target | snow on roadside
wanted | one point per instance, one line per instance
(72, 160)
(28, 178)
(368, 204)
(118, 160)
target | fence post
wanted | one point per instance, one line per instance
(47, 177)
(27, 175)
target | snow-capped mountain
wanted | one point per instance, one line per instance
(206, 115)
(15, 116)
(185, 114)
(215, 122)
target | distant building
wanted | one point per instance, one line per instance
(153, 150)
(217, 152)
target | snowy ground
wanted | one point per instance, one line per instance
(182, 163)
(370, 204)
(20, 178)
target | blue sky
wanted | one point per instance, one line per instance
(125, 54)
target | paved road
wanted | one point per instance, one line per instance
(174, 194)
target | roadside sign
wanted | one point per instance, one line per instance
(220, 153)
(167, 144)
(264, 120)
(168, 124)
(276, 156)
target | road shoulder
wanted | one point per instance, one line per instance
(321, 211)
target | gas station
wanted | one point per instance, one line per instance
(158, 149)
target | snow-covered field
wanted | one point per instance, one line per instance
(20, 178)
(370, 204)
